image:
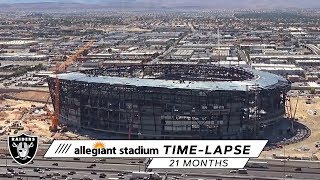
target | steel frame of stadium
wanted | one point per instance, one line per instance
(170, 113)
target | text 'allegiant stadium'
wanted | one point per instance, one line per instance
(168, 149)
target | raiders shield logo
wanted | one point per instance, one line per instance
(23, 148)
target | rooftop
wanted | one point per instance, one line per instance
(263, 80)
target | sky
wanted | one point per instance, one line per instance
(198, 3)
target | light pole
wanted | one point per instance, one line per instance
(284, 162)
(139, 164)
(6, 157)
(139, 134)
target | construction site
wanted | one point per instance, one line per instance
(33, 111)
(171, 101)
(303, 143)
(25, 112)
(165, 101)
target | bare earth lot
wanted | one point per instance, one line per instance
(308, 115)
(27, 108)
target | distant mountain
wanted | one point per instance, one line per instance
(42, 6)
(212, 4)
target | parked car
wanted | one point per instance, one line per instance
(36, 169)
(71, 173)
(22, 172)
(288, 176)
(56, 174)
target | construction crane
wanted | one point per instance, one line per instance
(60, 68)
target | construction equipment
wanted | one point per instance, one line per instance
(60, 68)
(49, 113)
(295, 109)
(291, 113)
(288, 107)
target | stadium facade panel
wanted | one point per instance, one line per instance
(172, 101)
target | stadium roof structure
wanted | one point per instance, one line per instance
(263, 80)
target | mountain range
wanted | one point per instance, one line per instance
(209, 4)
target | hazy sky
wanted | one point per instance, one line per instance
(199, 3)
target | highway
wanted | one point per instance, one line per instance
(30, 174)
(313, 48)
(113, 166)
(310, 169)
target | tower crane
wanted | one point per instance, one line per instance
(60, 68)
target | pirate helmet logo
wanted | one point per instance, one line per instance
(23, 148)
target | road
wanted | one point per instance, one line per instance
(243, 56)
(276, 169)
(166, 52)
(313, 48)
(111, 167)
(12, 87)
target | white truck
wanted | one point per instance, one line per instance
(111, 178)
(145, 175)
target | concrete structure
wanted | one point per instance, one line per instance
(308, 62)
(279, 69)
(23, 56)
(289, 58)
(17, 44)
(182, 54)
(293, 78)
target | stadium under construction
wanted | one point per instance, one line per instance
(171, 101)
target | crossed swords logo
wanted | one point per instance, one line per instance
(23, 150)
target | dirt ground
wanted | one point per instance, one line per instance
(32, 116)
(308, 115)
(37, 96)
